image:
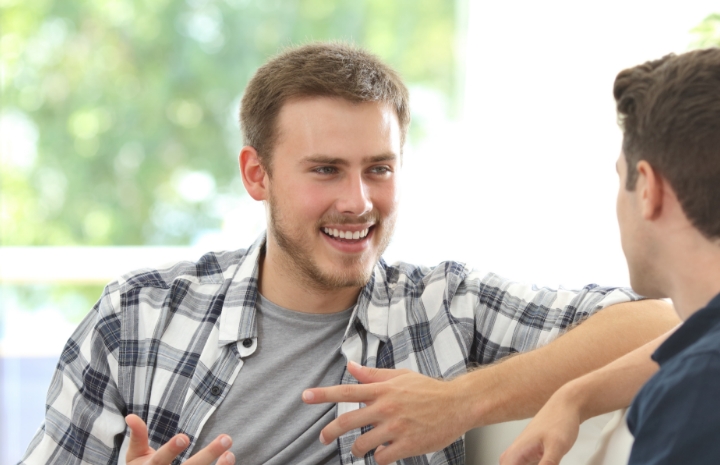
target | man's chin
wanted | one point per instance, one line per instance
(645, 289)
(339, 276)
(346, 279)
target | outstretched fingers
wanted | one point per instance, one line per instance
(341, 393)
(348, 422)
(387, 454)
(366, 392)
(170, 450)
(139, 452)
(375, 438)
(367, 375)
(216, 450)
(138, 445)
(228, 458)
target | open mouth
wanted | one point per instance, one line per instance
(347, 236)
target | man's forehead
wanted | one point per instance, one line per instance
(322, 121)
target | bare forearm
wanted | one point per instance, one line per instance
(520, 385)
(613, 386)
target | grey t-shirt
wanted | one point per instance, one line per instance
(263, 411)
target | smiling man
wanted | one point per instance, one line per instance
(261, 343)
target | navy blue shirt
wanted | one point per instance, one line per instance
(675, 417)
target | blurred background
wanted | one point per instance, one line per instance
(119, 138)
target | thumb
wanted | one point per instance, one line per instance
(368, 375)
(138, 437)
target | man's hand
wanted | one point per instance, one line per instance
(411, 413)
(548, 437)
(140, 453)
(553, 431)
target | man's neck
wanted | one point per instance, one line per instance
(694, 277)
(283, 286)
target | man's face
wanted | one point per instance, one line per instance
(333, 192)
(636, 241)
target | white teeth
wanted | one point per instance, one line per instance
(347, 234)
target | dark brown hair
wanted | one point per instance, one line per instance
(669, 111)
(316, 70)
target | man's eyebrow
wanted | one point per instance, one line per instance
(382, 157)
(328, 160)
(324, 160)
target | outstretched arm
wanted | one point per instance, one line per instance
(524, 383)
(553, 431)
(413, 414)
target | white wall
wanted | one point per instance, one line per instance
(525, 185)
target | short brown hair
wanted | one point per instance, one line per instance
(319, 69)
(669, 111)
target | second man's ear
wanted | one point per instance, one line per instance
(650, 187)
(253, 173)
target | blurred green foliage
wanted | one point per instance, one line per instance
(707, 33)
(72, 301)
(119, 118)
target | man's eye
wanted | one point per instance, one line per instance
(381, 170)
(325, 170)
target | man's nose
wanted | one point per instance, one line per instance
(355, 197)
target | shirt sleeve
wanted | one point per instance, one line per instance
(84, 415)
(513, 317)
(677, 420)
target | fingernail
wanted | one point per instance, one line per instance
(355, 364)
(308, 395)
(225, 441)
(180, 442)
(322, 439)
(230, 457)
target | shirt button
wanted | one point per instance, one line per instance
(215, 391)
(248, 343)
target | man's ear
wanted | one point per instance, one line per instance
(254, 176)
(650, 187)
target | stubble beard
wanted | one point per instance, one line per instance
(301, 261)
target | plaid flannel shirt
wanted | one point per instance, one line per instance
(168, 344)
